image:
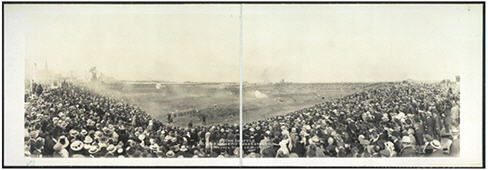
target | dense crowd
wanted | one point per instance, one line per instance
(401, 119)
(72, 121)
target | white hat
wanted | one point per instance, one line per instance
(93, 149)
(406, 139)
(170, 154)
(435, 144)
(183, 148)
(308, 127)
(142, 137)
(111, 148)
(76, 145)
(88, 139)
(120, 150)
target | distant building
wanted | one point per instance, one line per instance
(44, 76)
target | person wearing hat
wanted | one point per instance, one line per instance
(266, 147)
(184, 151)
(170, 154)
(429, 123)
(103, 141)
(76, 146)
(88, 139)
(311, 150)
(122, 133)
(37, 147)
(300, 146)
(419, 130)
(73, 133)
(98, 135)
(408, 148)
(432, 147)
(48, 148)
(93, 150)
(111, 149)
(283, 151)
(84, 132)
(60, 147)
(391, 148)
(363, 141)
(331, 148)
(397, 143)
(320, 151)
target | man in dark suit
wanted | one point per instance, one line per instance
(49, 143)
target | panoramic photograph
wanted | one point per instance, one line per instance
(131, 81)
(243, 84)
(352, 81)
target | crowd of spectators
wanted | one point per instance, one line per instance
(400, 119)
(73, 121)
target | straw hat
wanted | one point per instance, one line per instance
(141, 137)
(88, 139)
(34, 134)
(76, 145)
(406, 140)
(308, 127)
(86, 146)
(98, 134)
(183, 148)
(93, 149)
(111, 148)
(436, 144)
(120, 150)
(154, 147)
(174, 139)
(170, 154)
(73, 133)
(84, 132)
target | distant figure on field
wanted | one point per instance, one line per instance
(204, 121)
(170, 118)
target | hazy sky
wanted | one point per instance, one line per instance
(134, 42)
(297, 42)
(350, 42)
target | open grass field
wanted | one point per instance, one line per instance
(219, 102)
(266, 100)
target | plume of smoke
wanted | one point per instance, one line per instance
(260, 95)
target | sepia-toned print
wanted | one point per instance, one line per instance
(131, 82)
(246, 84)
(325, 81)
